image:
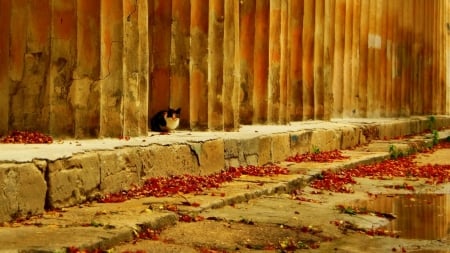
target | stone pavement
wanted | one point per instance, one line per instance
(84, 224)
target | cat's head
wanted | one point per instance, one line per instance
(173, 113)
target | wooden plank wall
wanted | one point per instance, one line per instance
(102, 68)
(290, 60)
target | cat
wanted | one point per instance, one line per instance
(165, 121)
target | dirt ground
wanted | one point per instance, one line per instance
(285, 223)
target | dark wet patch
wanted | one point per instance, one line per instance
(418, 216)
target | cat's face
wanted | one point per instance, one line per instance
(172, 118)
(173, 113)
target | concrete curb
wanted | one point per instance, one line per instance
(68, 173)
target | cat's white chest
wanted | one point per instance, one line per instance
(172, 123)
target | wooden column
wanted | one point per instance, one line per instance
(295, 31)
(85, 90)
(382, 58)
(179, 59)
(284, 63)
(407, 58)
(447, 56)
(133, 109)
(62, 64)
(390, 17)
(318, 61)
(363, 56)
(418, 65)
(347, 96)
(198, 108)
(111, 69)
(143, 66)
(260, 61)
(353, 110)
(34, 84)
(5, 18)
(231, 66)
(339, 43)
(273, 105)
(160, 30)
(427, 86)
(396, 52)
(442, 53)
(328, 53)
(215, 60)
(246, 49)
(308, 59)
(371, 69)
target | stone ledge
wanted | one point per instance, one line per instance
(62, 175)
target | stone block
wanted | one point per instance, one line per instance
(71, 181)
(249, 151)
(160, 160)
(300, 142)
(231, 148)
(22, 191)
(120, 169)
(325, 140)
(349, 137)
(210, 156)
(280, 147)
(264, 153)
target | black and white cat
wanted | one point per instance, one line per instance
(165, 121)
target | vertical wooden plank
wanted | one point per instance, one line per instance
(246, 52)
(436, 78)
(215, 59)
(273, 105)
(390, 14)
(427, 87)
(159, 92)
(406, 58)
(143, 68)
(283, 118)
(5, 17)
(447, 56)
(348, 97)
(307, 60)
(442, 45)
(339, 43)
(237, 68)
(179, 59)
(295, 92)
(382, 58)
(371, 69)
(318, 59)
(132, 107)
(417, 105)
(85, 90)
(356, 25)
(62, 65)
(260, 61)
(433, 85)
(328, 53)
(111, 69)
(198, 107)
(375, 42)
(363, 56)
(35, 85)
(396, 49)
(229, 74)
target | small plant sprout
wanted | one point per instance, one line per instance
(431, 122)
(315, 149)
(435, 137)
(395, 152)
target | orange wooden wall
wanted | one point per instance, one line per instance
(100, 68)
